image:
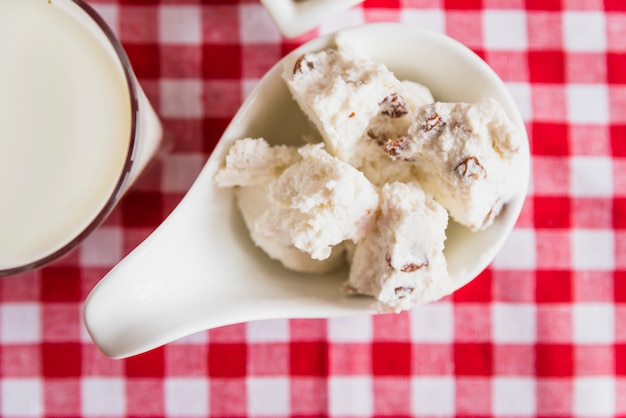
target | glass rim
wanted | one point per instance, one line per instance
(130, 155)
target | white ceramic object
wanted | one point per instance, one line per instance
(200, 270)
(295, 17)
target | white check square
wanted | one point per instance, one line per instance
(347, 18)
(180, 24)
(181, 98)
(20, 323)
(256, 25)
(518, 252)
(514, 323)
(350, 396)
(593, 249)
(21, 397)
(355, 328)
(200, 337)
(103, 396)
(268, 396)
(104, 247)
(521, 93)
(187, 397)
(505, 30)
(108, 12)
(514, 396)
(591, 176)
(594, 396)
(587, 103)
(593, 323)
(432, 396)
(584, 31)
(180, 171)
(432, 323)
(269, 330)
(433, 19)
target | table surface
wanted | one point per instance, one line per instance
(542, 331)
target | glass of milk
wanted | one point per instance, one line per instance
(75, 128)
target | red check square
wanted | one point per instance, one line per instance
(308, 358)
(61, 360)
(620, 359)
(616, 67)
(145, 59)
(213, 129)
(614, 6)
(553, 5)
(619, 213)
(553, 286)
(221, 61)
(478, 290)
(551, 212)
(619, 286)
(550, 139)
(60, 284)
(391, 359)
(227, 360)
(372, 4)
(546, 66)
(463, 4)
(554, 360)
(149, 364)
(141, 209)
(618, 140)
(473, 359)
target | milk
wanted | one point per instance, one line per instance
(65, 127)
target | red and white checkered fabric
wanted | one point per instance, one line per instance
(542, 332)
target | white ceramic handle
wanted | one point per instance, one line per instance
(200, 270)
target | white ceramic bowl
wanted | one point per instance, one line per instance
(200, 270)
(295, 17)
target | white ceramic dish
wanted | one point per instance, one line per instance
(295, 17)
(200, 270)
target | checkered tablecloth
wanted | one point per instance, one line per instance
(541, 332)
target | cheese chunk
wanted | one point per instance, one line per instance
(401, 262)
